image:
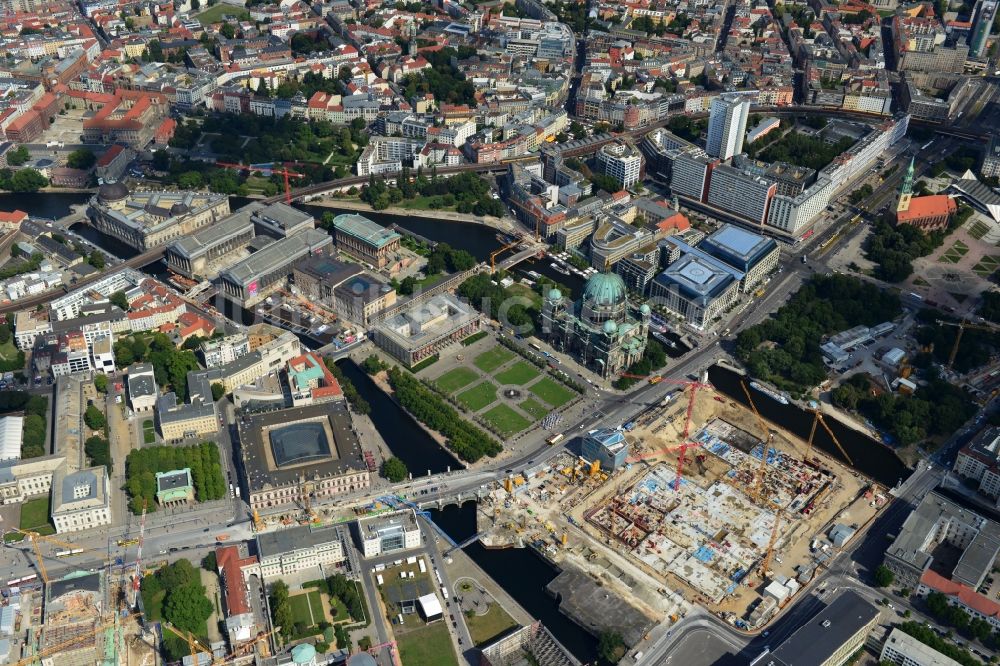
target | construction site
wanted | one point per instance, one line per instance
(712, 504)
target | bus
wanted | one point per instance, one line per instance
(534, 345)
(67, 553)
(554, 439)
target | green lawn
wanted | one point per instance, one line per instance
(35, 517)
(484, 628)
(551, 391)
(534, 408)
(977, 229)
(478, 396)
(986, 265)
(429, 645)
(215, 14)
(455, 379)
(338, 611)
(506, 420)
(301, 603)
(490, 360)
(8, 352)
(520, 373)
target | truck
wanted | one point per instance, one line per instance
(379, 579)
(423, 567)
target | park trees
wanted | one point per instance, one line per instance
(394, 469)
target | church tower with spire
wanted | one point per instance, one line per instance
(906, 190)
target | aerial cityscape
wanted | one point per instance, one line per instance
(499, 333)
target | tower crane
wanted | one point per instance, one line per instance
(765, 443)
(33, 537)
(137, 575)
(267, 168)
(962, 325)
(766, 562)
(503, 248)
(818, 418)
(67, 644)
(686, 442)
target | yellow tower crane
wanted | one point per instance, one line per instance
(504, 248)
(34, 537)
(766, 442)
(818, 417)
(766, 562)
(962, 325)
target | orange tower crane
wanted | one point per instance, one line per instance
(504, 248)
(818, 417)
(766, 562)
(765, 443)
(267, 169)
(686, 442)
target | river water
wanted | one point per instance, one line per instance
(523, 574)
(52, 205)
(868, 456)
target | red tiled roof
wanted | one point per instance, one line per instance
(109, 155)
(228, 559)
(969, 597)
(921, 208)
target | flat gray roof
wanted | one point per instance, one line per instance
(825, 633)
(295, 538)
(912, 542)
(697, 278)
(364, 229)
(204, 239)
(276, 256)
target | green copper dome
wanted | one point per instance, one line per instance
(610, 327)
(303, 653)
(644, 309)
(604, 289)
(555, 295)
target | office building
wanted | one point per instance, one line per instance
(690, 173)
(697, 288)
(80, 499)
(599, 329)
(301, 454)
(727, 125)
(829, 638)
(606, 445)
(268, 357)
(146, 219)
(622, 161)
(902, 649)
(979, 462)
(220, 351)
(753, 255)
(141, 385)
(178, 421)
(425, 328)
(991, 160)
(289, 551)
(267, 270)
(740, 193)
(362, 239)
(982, 24)
(937, 521)
(793, 213)
(388, 533)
